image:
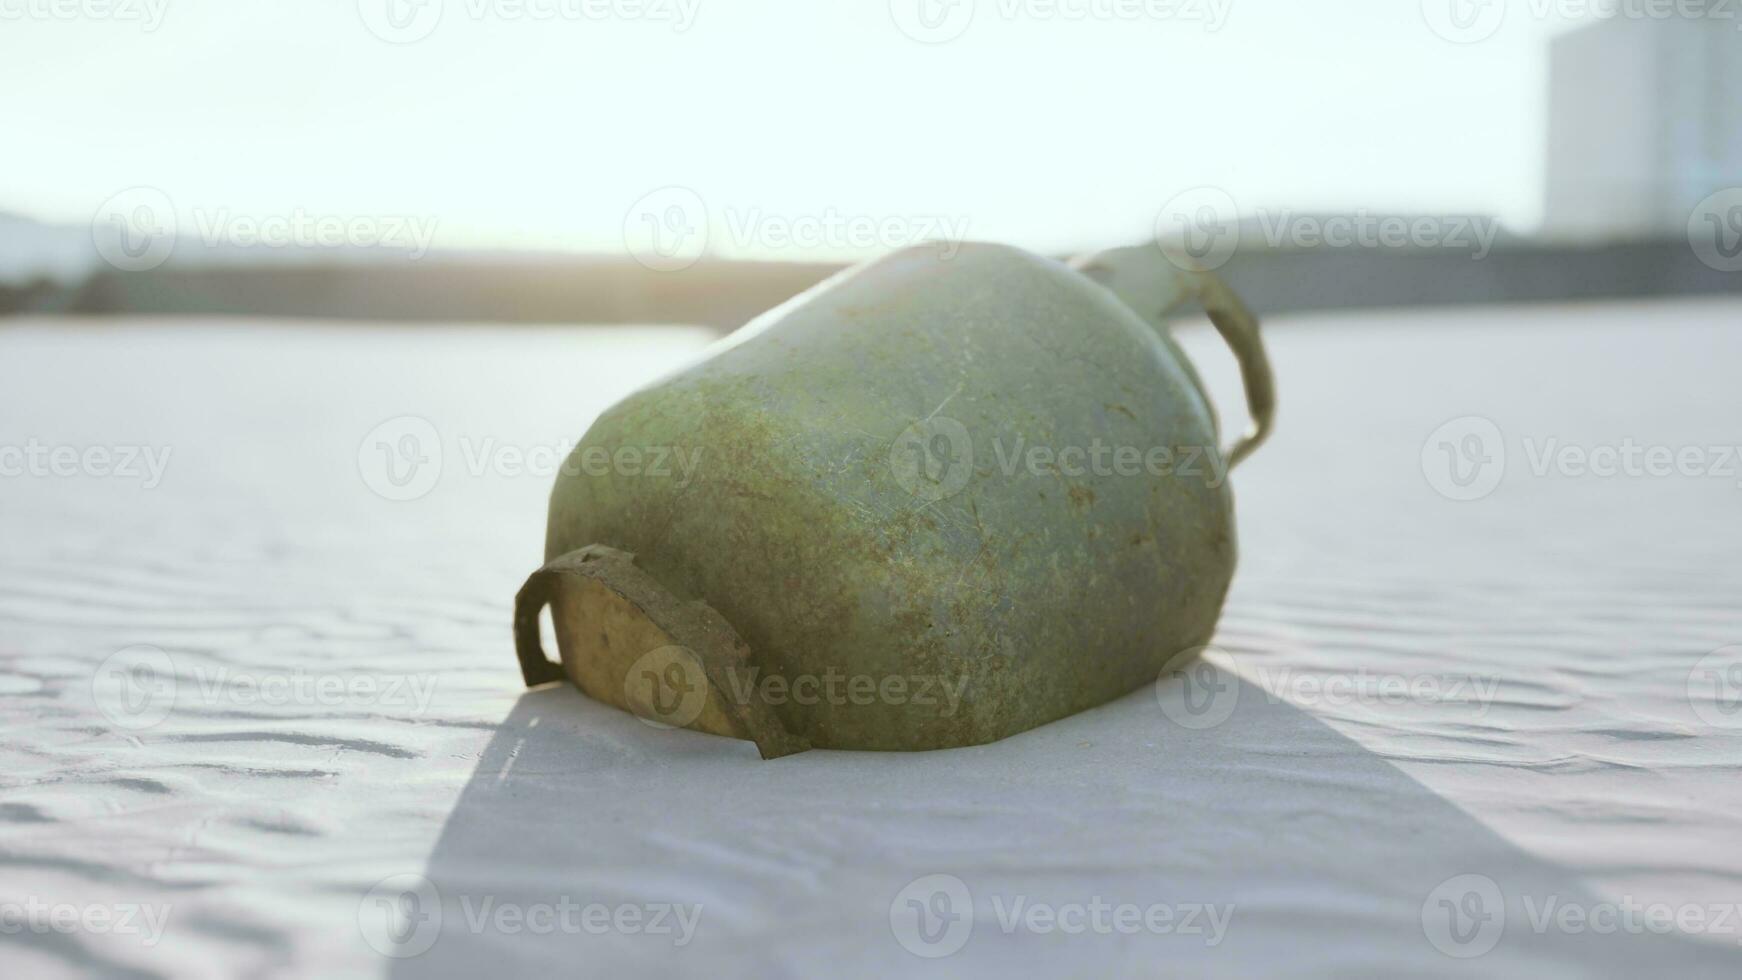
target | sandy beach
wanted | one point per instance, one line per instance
(1459, 737)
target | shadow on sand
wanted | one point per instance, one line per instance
(1333, 860)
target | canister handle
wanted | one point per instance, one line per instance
(1239, 330)
(695, 626)
(1155, 283)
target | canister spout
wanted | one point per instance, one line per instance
(1156, 284)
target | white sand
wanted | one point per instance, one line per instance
(1560, 759)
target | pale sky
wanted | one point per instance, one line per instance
(515, 131)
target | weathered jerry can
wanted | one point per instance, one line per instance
(934, 501)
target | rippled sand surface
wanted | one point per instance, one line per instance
(1437, 736)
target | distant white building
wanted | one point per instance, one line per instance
(1645, 121)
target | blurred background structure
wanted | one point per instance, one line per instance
(1645, 123)
(674, 162)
